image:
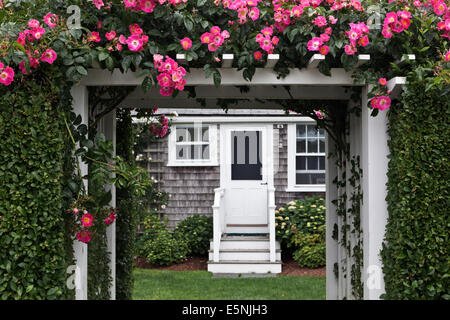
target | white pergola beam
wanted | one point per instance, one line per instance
(259, 92)
(315, 60)
(272, 60)
(230, 77)
(181, 58)
(362, 59)
(192, 104)
(227, 60)
(395, 85)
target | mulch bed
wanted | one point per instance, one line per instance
(290, 267)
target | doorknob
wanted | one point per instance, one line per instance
(264, 183)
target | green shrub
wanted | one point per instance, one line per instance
(416, 263)
(33, 258)
(165, 249)
(152, 226)
(311, 256)
(305, 216)
(311, 249)
(197, 232)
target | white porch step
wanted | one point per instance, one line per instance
(246, 229)
(245, 243)
(244, 255)
(236, 267)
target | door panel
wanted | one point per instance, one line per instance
(245, 179)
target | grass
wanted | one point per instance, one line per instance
(199, 285)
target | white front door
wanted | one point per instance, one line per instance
(245, 160)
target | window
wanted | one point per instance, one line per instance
(306, 158)
(193, 144)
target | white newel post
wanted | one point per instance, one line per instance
(331, 220)
(81, 107)
(109, 129)
(374, 163)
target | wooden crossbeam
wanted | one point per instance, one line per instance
(395, 85)
(362, 59)
(272, 60)
(181, 58)
(227, 60)
(315, 60)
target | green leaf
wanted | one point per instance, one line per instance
(81, 70)
(188, 24)
(102, 56)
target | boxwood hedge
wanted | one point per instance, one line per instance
(415, 252)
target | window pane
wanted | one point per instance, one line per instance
(322, 145)
(205, 134)
(300, 163)
(301, 146)
(181, 134)
(312, 145)
(313, 163)
(301, 131)
(183, 152)
(310, 178)
(312, 132)
(322, 163)
(205, 152)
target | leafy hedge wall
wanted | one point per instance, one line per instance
(32, 252)
(415, 254)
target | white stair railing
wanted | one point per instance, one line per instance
(271, 217)
(217, 222)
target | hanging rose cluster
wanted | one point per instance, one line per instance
(170, 74)
(381, 101)
(245, 9)
(396, 22)
(214, 38)
(33, 33)
(85, 222)
(266, 40)
(148, 5)
(135, 42)
(357, 36)
(160, 130)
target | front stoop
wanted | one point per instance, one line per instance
(244, 256)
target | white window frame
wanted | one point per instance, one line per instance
(172, 148)
(292, 154)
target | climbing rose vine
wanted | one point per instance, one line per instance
(251, 29)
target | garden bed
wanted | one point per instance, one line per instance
(290, 267)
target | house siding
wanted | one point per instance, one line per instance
(191, 189)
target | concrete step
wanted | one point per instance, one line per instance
(243, 267)
(244, 254)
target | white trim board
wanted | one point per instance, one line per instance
(238, 119)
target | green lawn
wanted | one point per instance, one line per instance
(199, 285)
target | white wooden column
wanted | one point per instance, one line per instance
(374, 163)
(331, 220)
(108, 127)
(81, 107)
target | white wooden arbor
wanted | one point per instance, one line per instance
(368, 138)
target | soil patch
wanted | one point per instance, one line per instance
(290, 267)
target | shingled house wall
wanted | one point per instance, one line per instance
(191, 189)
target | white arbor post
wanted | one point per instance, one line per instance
(331, 219)
(81, 107)
(374, 163)
(108, 127)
